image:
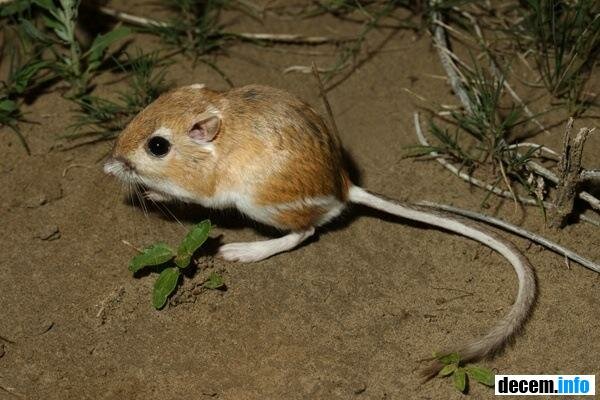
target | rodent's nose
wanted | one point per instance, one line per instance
(117, 164)
(125, 162)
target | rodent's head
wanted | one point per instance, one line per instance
(169, 147)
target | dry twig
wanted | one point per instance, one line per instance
(284, 38)
(538, 148)
(323, 94)
(126, 243)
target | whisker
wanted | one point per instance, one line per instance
(162, 206)
(140, 197)
(135, 196)
(130, 193)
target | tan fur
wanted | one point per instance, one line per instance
(301, 218)
(174, 109)
(312, 157)
(258, 123)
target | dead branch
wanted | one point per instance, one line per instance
(466, 177)
(569, 178)
(594, 202)
(447, 57)
(590, 175)
(441, 44)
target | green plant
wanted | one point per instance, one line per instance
(20, 79)
(482, 135)
(195, 28)
(73, 62)
(9, 116)
(172, 263)
(25, 71)
(461, 374)
(106, 118)
(566, 38)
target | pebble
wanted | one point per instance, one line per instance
(36, 201)
(359, 387)
(48, 232)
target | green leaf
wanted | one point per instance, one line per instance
(192, 242)
(22, 76)
(481, 375)
(156, 254)
(47, 4)
(100, 44)
(448, 370)
(447, 359)
(419, 151)
(33, 32)
(215, 281)
(14, 8)
(7, 105)
(164, 286)
(57, 26)
(460, 380)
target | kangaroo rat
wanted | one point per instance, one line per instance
(271, 156)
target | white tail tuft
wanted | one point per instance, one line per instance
(513, 321)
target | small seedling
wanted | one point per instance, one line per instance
(172, 263)
(461, 374)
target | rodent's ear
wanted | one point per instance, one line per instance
(205, 129)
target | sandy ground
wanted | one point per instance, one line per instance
(346, 316)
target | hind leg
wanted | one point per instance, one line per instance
(300, 218)
(257, 251)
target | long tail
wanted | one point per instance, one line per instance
(513, 321)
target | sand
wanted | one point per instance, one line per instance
(348, 315)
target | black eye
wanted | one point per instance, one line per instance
(158, 146)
